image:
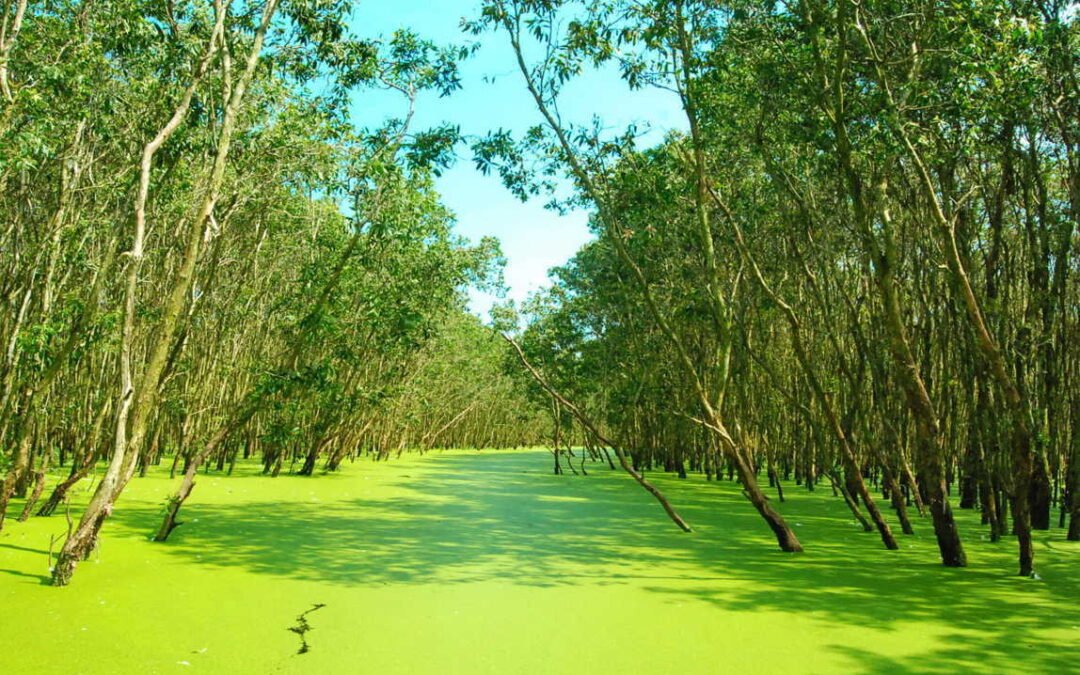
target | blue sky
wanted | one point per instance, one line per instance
(492, 97)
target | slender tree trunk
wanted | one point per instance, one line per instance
(18, 468)
(897, 498)
(35, 493)
(139, 403)
(591, 428)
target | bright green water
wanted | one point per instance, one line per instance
(471, 562)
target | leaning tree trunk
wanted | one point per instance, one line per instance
(176, 501)
(139, 402)
(591, 428)
(18, 467)
(897, 497)
(35, 495)
(851, 463)
(785, 536)
(39, 487)
(1017, 404)
(927, 432)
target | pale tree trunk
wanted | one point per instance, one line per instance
(289, 358)
(10, 24)
(135, 407)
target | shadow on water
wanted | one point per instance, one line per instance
(460, 518)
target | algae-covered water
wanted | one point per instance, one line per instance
(469, 562)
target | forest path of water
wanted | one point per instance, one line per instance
(466, 562)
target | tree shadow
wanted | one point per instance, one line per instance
(460, 519)
(41, 579)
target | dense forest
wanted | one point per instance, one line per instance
(853, 270)
(204, 259)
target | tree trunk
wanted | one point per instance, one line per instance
(18, 468)
(897, 498)
(35, 495)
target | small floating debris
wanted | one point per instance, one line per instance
(302, 627)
